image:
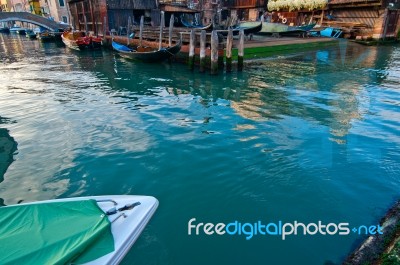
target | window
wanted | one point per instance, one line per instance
(61, 2)
(65, 19)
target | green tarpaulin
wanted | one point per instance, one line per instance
(54, 233)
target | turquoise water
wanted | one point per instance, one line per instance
(310, 136)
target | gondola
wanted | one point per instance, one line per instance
(146, 54)
(199, 27)
(246, 30)
(279, 29)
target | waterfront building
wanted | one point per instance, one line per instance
(117, 12)
(5, 5)
(56, 10)
(19, 6)
(245, 9)
(381, 17)
(364, 18)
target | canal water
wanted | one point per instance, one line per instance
(307, 137)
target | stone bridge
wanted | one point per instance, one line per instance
(31, 18)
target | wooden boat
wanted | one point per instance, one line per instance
(4, 30)
(78, 40)
(30, 34)
(147, 54)
(45, 36)
(18, 30)
(89, 42)
(246, 30)
(87, 230)
(199, 27)
(279, 29)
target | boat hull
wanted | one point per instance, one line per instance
(4, 30)
(90, 43)
(78, 40)
(126, 229)
(246, 30)
(147, 56)
(279, 29)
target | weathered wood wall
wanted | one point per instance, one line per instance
(366, 16)
(244, 3)
(131, 4)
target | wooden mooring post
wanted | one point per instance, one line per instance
(191, 49)
(141, 30)
(203, 51)
(171, 27)
(240, 50)
(161, 30)
(229, 45)
(128, 30)
(86, 25)
(104, 27)
(214, 52)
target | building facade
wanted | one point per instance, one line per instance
(5, 5)
(56, 10)
(249, 10)
(381, 17)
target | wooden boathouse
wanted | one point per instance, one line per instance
(376, 19)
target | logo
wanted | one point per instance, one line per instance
(281, 229)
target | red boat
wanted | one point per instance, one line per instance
(78, 40)
(89, 42)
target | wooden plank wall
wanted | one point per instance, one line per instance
(334, 2)
(366, 16)
(131, 4)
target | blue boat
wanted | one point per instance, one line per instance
(146, 54)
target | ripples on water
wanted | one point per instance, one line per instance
(307, 137)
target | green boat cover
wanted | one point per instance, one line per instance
(54, 233)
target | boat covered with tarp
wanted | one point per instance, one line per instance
(247, 30)
(86, 230)
(146, 54)
(269, 28)
(193, 25)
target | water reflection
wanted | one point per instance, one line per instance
(8, 147)
(305, 136)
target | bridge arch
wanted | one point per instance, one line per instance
(31, 18)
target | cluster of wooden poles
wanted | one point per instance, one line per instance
(215, 60)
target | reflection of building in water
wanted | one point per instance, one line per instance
(7, 148)
(317, 86)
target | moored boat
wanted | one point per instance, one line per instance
(147, 54)
(89, 42)
(4, 30)
(30, 34)
(278, 28)
(87, 230)
(45, 36)
(187, 24)
(78, 40)
(247, 30)
(18, 30)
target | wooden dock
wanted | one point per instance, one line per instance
(256, 48)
